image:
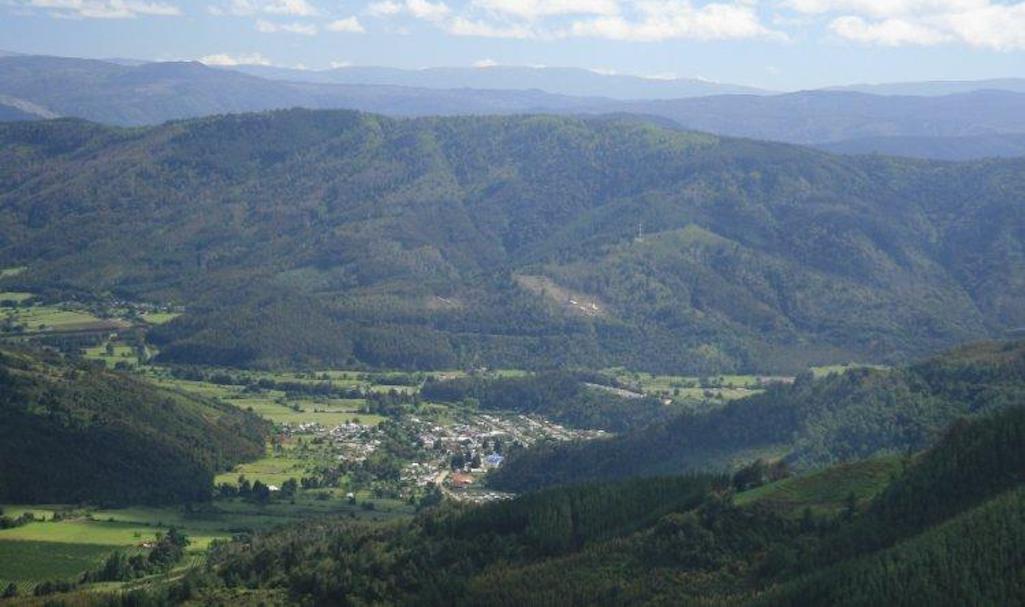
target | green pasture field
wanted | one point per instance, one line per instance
(159, 318)
(52, 550)
(64, 549)
(41, 318)
(270, 470)
(17, 296)
(328, 413)
(101, 532)
(5, 272)
(827, 369)
(27, 563)
(727, 387)
(122, 353)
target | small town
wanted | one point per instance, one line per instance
(454, 456)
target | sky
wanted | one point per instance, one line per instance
(775, 44)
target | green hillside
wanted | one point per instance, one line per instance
(811, 423)
(73, 432)
(947, 529)
(338, 238)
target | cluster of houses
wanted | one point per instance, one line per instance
(453, 456)
(352, 441)
(468, 450)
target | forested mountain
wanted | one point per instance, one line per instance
(947, 530)
(936, 148)
(74, 432)
(812, 117)
(813, 422)
(125, 93)
(336, 238)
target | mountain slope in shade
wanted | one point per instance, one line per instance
(73, 432)
(936, 148)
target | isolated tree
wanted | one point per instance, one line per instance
(851, 506)
(261, 492)
(244, 488)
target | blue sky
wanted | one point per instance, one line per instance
(782, 44)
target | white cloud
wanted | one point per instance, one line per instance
(978, 23)
(296, 8)
(535, 9)
(349, 25)
(889, 32)
(428, 11)
(635, 20)
(386, 8)
(270, 27)
(461, 26)
(658, 20)
(998, 27)
(106, 9)
(485, 63)
(242, 8)
(883, 8)
(339, 64)
(243, 59)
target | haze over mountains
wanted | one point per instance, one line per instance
(936, 87)
(953, 121)
(560, 81)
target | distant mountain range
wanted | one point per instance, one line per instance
(151, 93)
(813, 117)
(937, 87)
(965, 125)
(556, 80)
